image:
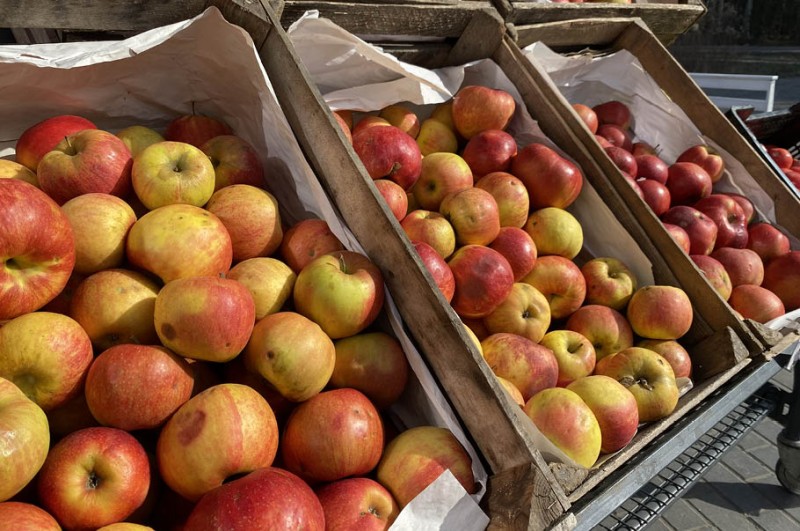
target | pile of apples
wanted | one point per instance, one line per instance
(789, 165)
(748, 260)
(578, 344)
(173, 357)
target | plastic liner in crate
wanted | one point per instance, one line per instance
(776, 128)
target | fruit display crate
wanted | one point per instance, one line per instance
(668, 19)
(720, 343)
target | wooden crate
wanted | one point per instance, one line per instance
(668, 19)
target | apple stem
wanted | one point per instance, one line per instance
(93, 481)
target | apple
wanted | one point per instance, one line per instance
(443, 113)
(511, 196)
(394, 196)
(474, 215)
(478, 108)
(116, 306)
(62, 301)
(782, 157)
(227, 429)
(623, 159)
(88, 161)
(613, 112)
(729, 218)
(345, 125)
(292, 353)
(342, 291)
(483, 277)
(369, 121)
(24, 440)
(442, 174)
(518, 248)
(606, 329)
(432, 228)
(656, 195)
(100, 225)
(715, 273)
(643, 148)
(333, 435)
(138, 137)
(660, 312)
(167, 173)
(680, 236)
(555, 231)
(701, 230)
(37, 248)
(195, 129)
(560, 280)
(94, 477)
(417, 456)
(14, 170)
(618, 137)
(46, 355)
(756, 303)
(235, 161)
(705, 157)
(437, 267)
(489, 151)
(346, 116)
(357, 503)
(678, 357)
(688, 183)
(137, 387)
(574, 354)
(373, 363)
(269, 281)
(266, 498)
(525, 312)
(609, 282)
(401, 117)
(512, 390)
(306, 240)
(651, 167)
(251, 217)
(614, 407)
(20, 515)
(39, 139)
(744, 266)
(530, 366)
(551, 180)
(567, 421)
(648, 376)
(782, 277)
(746, 204)
(587, 116)
(604, 143)
(124, 526)
(436, 137)
(767, 240)
(177, 241)
(388, 152)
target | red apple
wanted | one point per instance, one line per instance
(705, 157)
(574, 354)
(417, 457)
(560, 280)
(88, 161)
(266, 498)
(345, 125)
(334, 435)
(651, 167)
(37, 247)
(442, 174)
(782, 157)
(530, 366)
(20, 515)
(746, 204)
(39, 139)
(744, 266)
(609, 282)
(235, 161)
(511, 196)
(688, 183)
(394, 196)
(489, 151)
(369, 121)
(94, 477)
(389, 152)
(767, 241)
(613, 112)
(478, 108)
(474, 215)
(678, 357)
(432, 228)
(341, 291)
(483, 277)
(587, 116)
(680, 236)
(195, 129)
(438, 269)
(616, 136)
(602, 141)
(656, 195)
(782, 277)
(729, 217)
(606, 329)
(137, 387)
(306, 240)
(551, 180)
(715, 273)
(756, 303)
(357, 503)
(701, 229)
(614, 407)
(166, 173)
(660, 312)
(524, 312)
(517, 246)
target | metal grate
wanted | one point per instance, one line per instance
(679, 476)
